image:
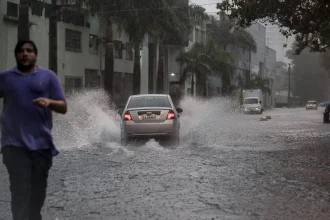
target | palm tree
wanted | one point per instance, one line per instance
(254, 82)
(181, 21)
(257, 82)
(197, 65)
(141, 18)
(199, 62)
(223, 33)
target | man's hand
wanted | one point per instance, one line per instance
(58, 106)
(42, 102)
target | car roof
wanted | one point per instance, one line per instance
(148, 95)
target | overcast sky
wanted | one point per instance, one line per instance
(209, 5)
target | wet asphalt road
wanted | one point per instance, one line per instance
(238, 169)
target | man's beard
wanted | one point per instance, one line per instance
(26, 68)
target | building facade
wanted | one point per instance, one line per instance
(80, 51)
(258, 59)
(270, 75)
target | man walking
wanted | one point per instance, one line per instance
(30, 93)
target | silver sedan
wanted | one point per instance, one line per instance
(150, 116)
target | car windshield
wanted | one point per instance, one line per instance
(251, 101)
(149, 101)
(311, 102)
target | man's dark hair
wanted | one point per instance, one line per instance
(21, 44)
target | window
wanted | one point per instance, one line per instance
(93, 44)
(92, 78)
(72, 84)
(118, 49)
(37, 7)
(129, 52)
(12, 9)
(149, 101)
(72, 41)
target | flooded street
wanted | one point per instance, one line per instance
(228, 166)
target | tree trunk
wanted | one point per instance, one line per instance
(192, 85)
(23, 29)
(109, 61)
(205, 92)
(225, 82)
(161, 69)
(137, 70)
(52, 35)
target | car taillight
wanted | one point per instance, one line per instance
(127, 116)
(170, 115)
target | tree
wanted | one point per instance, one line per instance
(254, 82)
(182, 19)
(139, 18)
(110, 12)
(199, 61)
(257, 82)
(52, 36)
(307, 20)
(309, 79)
(222, 33)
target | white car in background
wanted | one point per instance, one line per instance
(311, 105)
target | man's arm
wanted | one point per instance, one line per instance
(59, 106)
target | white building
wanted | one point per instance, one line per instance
(258, 59)
(80, 57)
(277, 41)
(270, 74)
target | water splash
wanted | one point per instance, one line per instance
(92, 119)
(205, 121)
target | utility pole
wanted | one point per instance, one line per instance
(289, 89)
(23, 29)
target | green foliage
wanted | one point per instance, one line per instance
(201, 59)
(308, 21)
(254, 82)
(224, 33)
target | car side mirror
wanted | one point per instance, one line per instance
(260, 102)
(120, 111)
(179, 110)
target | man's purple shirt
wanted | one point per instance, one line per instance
(23, 124)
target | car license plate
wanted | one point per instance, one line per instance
(153, 116)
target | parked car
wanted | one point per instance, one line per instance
(311, 105)
(150, 116)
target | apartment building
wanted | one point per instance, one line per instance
(80, 49)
